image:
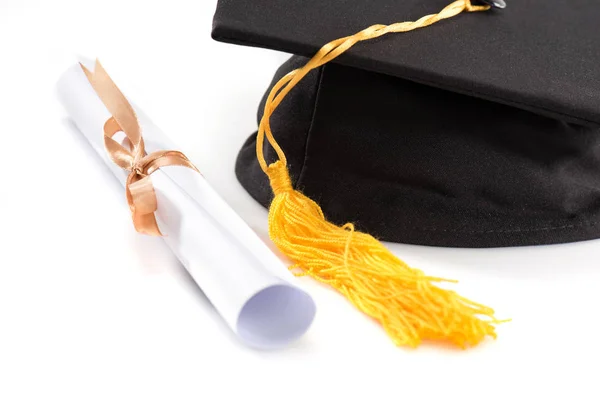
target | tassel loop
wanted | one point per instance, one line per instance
(469, 7)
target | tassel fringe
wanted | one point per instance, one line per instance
(405, 301)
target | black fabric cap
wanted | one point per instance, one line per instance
(478, 131)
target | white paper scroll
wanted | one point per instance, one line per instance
(247, 284)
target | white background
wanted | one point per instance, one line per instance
(91, 310)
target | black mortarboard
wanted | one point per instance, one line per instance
(474, 130)
(478, 131)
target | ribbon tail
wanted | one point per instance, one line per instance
(117, 105)
(141, 198)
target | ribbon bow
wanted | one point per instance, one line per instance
(141, 196)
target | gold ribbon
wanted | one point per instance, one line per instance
(133, 158)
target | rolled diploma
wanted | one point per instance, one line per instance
(245, 281)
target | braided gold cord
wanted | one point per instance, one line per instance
(332, 50)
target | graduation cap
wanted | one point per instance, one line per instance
(473, 126)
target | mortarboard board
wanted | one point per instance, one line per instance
(480, 130)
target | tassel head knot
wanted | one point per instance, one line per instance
(280, 178)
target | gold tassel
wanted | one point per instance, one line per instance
(404, 300)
